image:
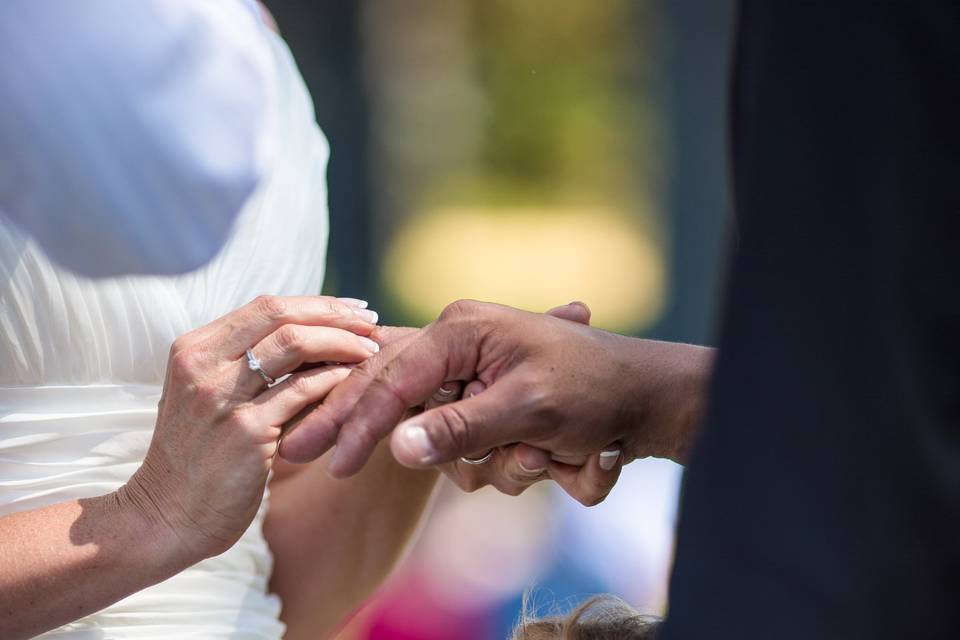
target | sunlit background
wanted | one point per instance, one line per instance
(529, 152)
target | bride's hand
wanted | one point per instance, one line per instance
(218, 423)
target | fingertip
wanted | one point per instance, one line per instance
(347, 459)
(297, 451)
(336, 467)
(474, 388)
(531, 459)
(412, 447)
(305, 440)
(609, 459)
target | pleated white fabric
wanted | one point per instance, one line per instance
(82, 363)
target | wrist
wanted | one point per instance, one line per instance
(665, 396)
(157, 540)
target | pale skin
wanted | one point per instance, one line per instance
(203, 477)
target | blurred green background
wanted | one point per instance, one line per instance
(529, 152)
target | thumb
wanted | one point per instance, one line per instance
(451, 431)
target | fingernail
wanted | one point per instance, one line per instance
(608, 459)
(371, 345)
(415, 440)
(448, 389)
(367, 315)
(531, 471)
(354, 302)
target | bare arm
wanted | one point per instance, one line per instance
(62, 562)
(203, 477)
(335, 541)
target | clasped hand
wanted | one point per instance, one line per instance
(555, 385)
(218, 424)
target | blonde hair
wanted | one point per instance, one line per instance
(599, 618)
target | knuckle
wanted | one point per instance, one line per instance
(460, 309)
(184, 364)
(273, 307)
(178, 345)
(289, 338)
(455, 428)
(541, 402)
(300, 385)
(337, 308)
(239, 417)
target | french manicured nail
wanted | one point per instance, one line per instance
(530, 471)
(608, 459)
(367, 315)
(415, 440)
(447, 390)
(371, 345)
(354, 302)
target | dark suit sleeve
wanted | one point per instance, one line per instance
(823, 500)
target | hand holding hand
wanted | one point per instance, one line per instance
(218, 424)
(552, 384)
(514, 468)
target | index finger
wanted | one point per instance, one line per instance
(371, 402)
(315, 431)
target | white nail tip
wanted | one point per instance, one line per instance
(371, 345)
(531, 471)
(355, 302)
(608, 459)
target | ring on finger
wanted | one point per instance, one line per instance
(253, 363)
(481, 460)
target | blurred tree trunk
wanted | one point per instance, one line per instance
(698, 44)
(326, 41)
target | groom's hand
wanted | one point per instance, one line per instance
(515, 468)
(556, 385)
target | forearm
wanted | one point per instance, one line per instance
(665, 395)
(335, 541)
(65, 561)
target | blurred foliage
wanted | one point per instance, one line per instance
(565, 79)
(540, 134)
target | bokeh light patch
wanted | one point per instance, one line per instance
(533, 258)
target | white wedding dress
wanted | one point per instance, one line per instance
(82, 363)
